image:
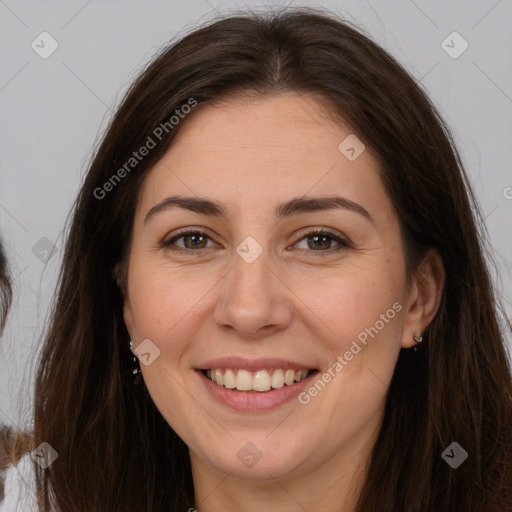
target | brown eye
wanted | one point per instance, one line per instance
(196, 241)
(191, 240)
(321, 241)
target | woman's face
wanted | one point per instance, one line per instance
(256, 294)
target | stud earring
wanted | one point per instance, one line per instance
(137, 375)
(418, 339)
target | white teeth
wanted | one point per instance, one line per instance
(277, 379)
(262, 380)
(299, 375)
(229, 379)
(289, 377)
(219, 378)
(243, 380)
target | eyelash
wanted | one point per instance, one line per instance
(343, 244)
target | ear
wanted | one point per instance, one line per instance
(425, 294)
(119, 275)
(128, 317)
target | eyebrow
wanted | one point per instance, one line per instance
(292, 207)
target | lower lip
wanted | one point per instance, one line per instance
(254, 400)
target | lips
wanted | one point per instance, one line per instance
(261, 375)
(253, 401)
(253, 365)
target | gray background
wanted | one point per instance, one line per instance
(53, 110)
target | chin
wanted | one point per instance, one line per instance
(256, 461)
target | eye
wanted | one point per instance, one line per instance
(191, 239)
(320, 240)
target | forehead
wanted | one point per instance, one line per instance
(262, 150)
(272, 124)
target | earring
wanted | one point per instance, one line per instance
(137, 375)
(418, 339)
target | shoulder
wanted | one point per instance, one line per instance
(19, 487)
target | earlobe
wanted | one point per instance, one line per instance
(425, 297)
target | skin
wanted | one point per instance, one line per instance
(295, 301)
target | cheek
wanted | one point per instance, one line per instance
(352, 301)
(360, 312)
(163, 304)
(360, 320)
(161, 291)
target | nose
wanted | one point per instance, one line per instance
(253, 299)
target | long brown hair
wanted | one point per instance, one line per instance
(5, 289)
(13, 443)
(116, 452)
(5, 302)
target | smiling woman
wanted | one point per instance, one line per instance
(295, 235)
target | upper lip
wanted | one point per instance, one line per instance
(252, 364)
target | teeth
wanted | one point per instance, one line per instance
(277, 379)
(243, 380)
(229, 379)
(219, 378)
(262, 380)
(300, 375)
(289, 377)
